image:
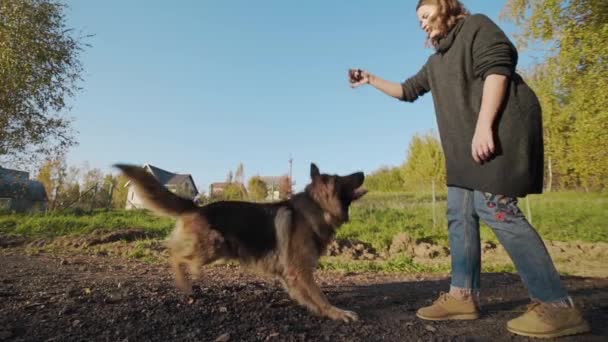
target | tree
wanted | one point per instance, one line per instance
(234, 191)
(258, 190)
(69, 191)
(385, 179)
(119, 192)
(239, 173)
(571, 85)
(39, 69)
(92, 195)
(51, 174)
(425, 162)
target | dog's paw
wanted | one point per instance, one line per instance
(342, 315)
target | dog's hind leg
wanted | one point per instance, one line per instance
(302, 288)
(194, 245)
(181, 281)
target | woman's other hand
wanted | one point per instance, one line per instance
(482, 147)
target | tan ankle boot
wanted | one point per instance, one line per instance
(447, 307)
(548, 321)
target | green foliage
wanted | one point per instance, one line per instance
(386, 179)
(39, 69)
(51, 175)
(234, 191)
(425, 163)
(571, 83)
(257, 189)
(119, 192)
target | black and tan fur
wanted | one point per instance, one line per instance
(284, 239)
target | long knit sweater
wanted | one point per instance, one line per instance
(473, 49)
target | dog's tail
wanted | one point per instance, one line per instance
(154, 195)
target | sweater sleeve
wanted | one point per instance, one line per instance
(493, 52)
(415, 86)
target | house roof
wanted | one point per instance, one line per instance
(169, 178)
(178, 179)
(10, 175)
(219, 184)
(163, 176)
(30, 189)
(16, 184)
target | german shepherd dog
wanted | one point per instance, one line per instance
(283, 239)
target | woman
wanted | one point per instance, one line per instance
(491, 132)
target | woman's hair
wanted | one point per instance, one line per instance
(449, 12)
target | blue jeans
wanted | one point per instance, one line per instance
(517, 236)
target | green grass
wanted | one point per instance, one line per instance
(394, 265)
(376, 219)
(565, 216)
(378, 226)
(399, 264)
(70, 223)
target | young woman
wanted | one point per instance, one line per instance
(491, 132)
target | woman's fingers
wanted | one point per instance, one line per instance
(482, 151)
(475, 154)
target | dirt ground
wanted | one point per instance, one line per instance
(45, 297)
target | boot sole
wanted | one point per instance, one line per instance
(469, 316)
(575, 330)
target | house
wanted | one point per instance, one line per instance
(217, 189)
(19, 193)
(273, 184)
(180, 184)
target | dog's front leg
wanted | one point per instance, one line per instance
(302, 287)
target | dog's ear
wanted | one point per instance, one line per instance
(314, 171)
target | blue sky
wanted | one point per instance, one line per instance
(200, 86)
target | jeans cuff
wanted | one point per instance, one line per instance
(565, 302)
(465, 293)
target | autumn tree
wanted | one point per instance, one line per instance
(51, 174)
(39, 69)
